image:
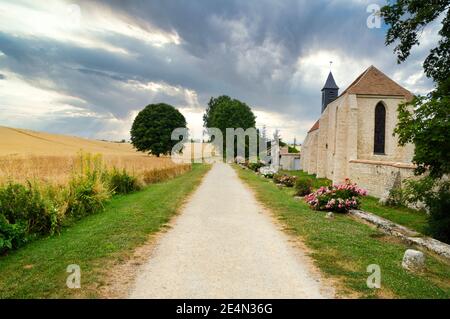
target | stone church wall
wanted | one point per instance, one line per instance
(343, 145)
(366, 122)
(379, 177)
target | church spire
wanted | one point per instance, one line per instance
(329, 91)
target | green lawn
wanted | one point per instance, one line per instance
(95, 243)
(343, 248)
(407, 217)
(410, 218)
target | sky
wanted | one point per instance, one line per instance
(86, 68)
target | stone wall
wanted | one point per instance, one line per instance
(379, 177)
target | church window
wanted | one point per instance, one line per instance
(380, 129)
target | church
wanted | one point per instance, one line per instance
(353, 138)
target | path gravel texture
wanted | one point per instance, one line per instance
(225, 245)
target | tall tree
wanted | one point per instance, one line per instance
(224, 112)
(153, 126)
(425, 121)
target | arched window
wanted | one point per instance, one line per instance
(380, 129)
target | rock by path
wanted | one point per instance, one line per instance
(224, 245)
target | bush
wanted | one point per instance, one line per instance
(86, 196)
(286, 180)
(395, 198)
(19, 203)
(303, 186)
(292, 149)
(439, 209)
(12, 236)
(339, 198)
(24, 213)
(255, 166)
(267, 172)
(435, 195)
(87, 191)
(120, 182)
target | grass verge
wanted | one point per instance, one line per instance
(416, 220)
(343, 248)
(95, 243)
(407, 217)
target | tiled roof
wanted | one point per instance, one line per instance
(314, 127)
(374, 82)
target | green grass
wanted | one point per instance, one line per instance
(95, 243)
(316, 182)
(413, 219)
(343, 248)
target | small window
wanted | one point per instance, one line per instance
(380, 129)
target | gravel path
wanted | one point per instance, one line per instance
(224, 245)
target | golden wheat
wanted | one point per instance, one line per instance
(51, 158)
(58, 169)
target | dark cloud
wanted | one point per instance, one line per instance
(247, 49)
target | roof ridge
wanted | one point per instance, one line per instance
(356, 84)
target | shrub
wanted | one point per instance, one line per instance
(395, 198)
(292, 149)
(267, 171)
(303, 186)
(121, 182)
(24, 213)
(86, 196)
(26, 204)
(255, 166)
(435, 195)
(12, 236)
(339, 198)
(439, 209)
(87, 191)
(286, 180)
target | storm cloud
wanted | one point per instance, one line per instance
(86, 68)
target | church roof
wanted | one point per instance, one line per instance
(330, 83)
(374, 82)
(314, 127)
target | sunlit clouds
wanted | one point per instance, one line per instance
(87, 67)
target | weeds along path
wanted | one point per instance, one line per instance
(224, 245)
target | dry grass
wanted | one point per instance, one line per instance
(28, 155)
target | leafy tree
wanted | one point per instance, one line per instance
(152, 128)
(293, 149)
(224, 112)
(425, 121)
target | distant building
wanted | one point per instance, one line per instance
(354, 135)
(289, 161)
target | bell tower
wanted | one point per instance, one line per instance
(329, 91)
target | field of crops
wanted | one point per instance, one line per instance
(28, 155)
(48, 181)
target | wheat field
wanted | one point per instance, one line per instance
(29, 155)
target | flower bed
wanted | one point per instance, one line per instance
(338, 198)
